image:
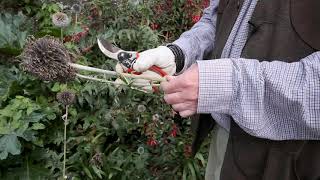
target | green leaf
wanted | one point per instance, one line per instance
(9, 144)
(34, 117)
(88, 173)
(27, 172)
(201, 158)
(28, 135)
(6, 112)
(193, 173)
(56, 87)
(12, 39)
(98, 171)
(16, 116)
(51, 116)
(184, 174)
(37, 126)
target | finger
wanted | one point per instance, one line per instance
(169, 78)
(166, 84)
(175, 98)
(187, 113)
(180, 107)
(171, 86)
(144, 62)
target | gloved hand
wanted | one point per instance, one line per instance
(162, 57)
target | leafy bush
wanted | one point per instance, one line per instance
(12, 35)
(112, 133)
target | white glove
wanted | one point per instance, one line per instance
(162, 57)
(140, 83)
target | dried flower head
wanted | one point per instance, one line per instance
(48, 59)
(141, 108)
(155, 117)
(66, 97)
(60, 19)
(97, 160)
(76, 8)
(140, 150)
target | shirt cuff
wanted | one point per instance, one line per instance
(215, 86)
(185, 47)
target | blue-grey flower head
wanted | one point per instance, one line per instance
(141, 108)
(76, 8)
(60, 19)
(66, 97)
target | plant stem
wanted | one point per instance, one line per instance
(111, 82)
(76, 21)
(28, 173)
(61, 33)
(113, 73)
(65, 142)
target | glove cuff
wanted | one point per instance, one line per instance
(178, 56)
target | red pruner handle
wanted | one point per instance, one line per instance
(153, 68)
(158, 70)
(132, 71)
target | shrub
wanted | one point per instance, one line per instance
(112, 133)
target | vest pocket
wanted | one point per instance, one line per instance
(280, 165)
(249, 155)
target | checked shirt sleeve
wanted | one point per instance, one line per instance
(198, 42)
(273, 100)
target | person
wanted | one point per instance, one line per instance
(250, 69)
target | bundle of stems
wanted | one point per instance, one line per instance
(113, 73)
(49, 60)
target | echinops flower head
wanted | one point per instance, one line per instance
(47, 59)
(60, 19)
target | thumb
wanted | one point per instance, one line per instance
(169, 78)
(145, 61)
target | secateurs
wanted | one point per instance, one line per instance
(126, 58)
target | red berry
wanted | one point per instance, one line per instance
(152, 142)
(195, 18)
(174, 131)
(154, 26)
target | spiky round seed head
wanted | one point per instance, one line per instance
(76, 8)
(60, 19)
(140, 150)
(97, 160)
(141, 108)
(66, 97)
(48, 59)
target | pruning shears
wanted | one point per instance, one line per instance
(126, 58)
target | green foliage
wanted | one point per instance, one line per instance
(108, 136)
(12, 36)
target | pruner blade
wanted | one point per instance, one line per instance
(108, 48)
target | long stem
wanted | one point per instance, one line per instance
(76, 20)
(65, 142)
(113, 73)
(61, 33)
(28, 173)
(111, 82)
